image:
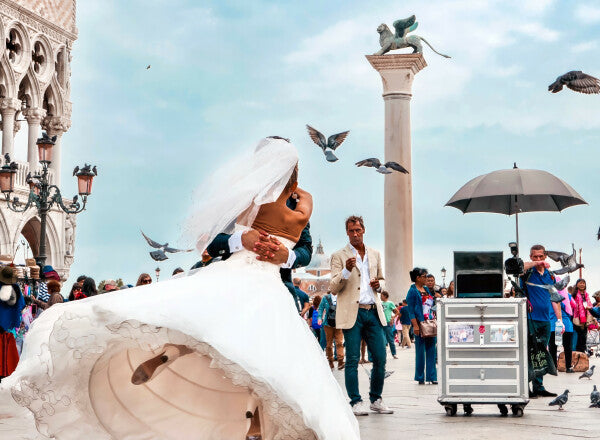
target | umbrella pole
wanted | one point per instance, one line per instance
(517, 220)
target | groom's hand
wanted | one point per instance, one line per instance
(249, 239)
(271, 249)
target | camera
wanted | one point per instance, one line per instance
(514, 265)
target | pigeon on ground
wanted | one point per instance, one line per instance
(385, 376)
(595, 397)
(588, 373)
(328, 146)
(160, 255)
(568, 262)
(560, 400)
(383, 169)
(576, 80)
(554, 288)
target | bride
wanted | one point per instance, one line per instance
(166, 360)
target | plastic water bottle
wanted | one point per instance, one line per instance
(558, 333)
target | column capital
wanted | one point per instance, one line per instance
(34, 115)
(10, 105)
(397, 72)
(56, 125)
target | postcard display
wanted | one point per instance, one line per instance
(482, 353)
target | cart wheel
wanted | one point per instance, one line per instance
(503, 410)
(450, 410)
(468, 409)
(517, 410)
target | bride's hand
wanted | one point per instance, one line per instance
(271, 249)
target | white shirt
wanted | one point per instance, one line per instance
(367, 296)
(235, 245)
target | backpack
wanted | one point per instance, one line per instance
(315, 320)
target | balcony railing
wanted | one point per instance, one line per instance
(21, 177)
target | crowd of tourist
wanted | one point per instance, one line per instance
(575, 317)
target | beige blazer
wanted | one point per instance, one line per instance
(348, 291)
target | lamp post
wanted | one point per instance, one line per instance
(443, 277)
(42, 194)
(157, 272)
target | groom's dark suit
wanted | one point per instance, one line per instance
(303, 250)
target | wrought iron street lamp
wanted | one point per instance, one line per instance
(43, 195)
(157, 272)
(443, 277)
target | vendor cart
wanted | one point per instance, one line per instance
(482, 341)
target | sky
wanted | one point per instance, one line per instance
(225, 74)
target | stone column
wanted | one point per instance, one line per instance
(397, 73)
(56, 126)
(8, 108)
(34, 117)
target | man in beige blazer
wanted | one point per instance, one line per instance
(357, 280)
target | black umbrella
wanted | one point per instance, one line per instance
(513, 191)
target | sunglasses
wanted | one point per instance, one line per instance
(146, 281)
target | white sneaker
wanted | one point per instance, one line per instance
(360, 409)
(379, 407)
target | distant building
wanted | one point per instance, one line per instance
(315, 279)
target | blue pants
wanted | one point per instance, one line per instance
(425, 357)
(369, 328)
(389, 336)
(542, 330)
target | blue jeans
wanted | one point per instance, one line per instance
(369, 328)
(389, 336)
(425, 357)
(542, 330)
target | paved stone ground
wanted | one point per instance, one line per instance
(417, 414)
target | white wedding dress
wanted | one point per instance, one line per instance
(250, 348)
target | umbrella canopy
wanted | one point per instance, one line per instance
(515, 190)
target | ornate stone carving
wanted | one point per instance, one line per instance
(9, 104)
(70, 225)
(56, 124)
(34, 115)
(38, 23)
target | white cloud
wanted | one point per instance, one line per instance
(587, 14)
(537, 31)
(585, 46)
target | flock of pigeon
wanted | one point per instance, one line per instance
(335, 140)
(562, 400)
(568, 264)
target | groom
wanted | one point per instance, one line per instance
(357, 280)
(268, 249)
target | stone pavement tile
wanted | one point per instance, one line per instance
(417, 414)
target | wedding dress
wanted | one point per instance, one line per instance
(249, 349)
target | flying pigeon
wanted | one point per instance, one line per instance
(560, 400)
(160, 254)
(554, 288)
(568, 262)
(595, 397)
(383, 169)
(329, 146)
(576, 80)
(148, 66)
(598, 233)
(588, 373)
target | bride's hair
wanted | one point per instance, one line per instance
(293, 179)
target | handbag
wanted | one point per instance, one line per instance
(589, 319)
(428, 328)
